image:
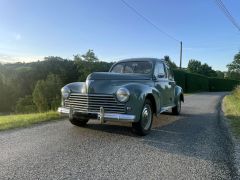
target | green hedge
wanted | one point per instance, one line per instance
(179, 77)
(216, 84)
(195, 82)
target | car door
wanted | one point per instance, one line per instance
(161, 83)
(171, 86)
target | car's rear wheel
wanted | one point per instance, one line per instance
(78, 121)
(143, 127)
(177, 109)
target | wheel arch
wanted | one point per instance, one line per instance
(179, 94)
(152, 99)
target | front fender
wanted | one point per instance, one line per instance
(178, 94)
(138, 94)
(76, 87)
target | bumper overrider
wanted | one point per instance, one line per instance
(101, 115)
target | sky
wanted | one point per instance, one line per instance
(31, 30)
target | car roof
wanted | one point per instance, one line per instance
(141, 59)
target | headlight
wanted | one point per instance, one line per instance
(123, 94)
(65, 92)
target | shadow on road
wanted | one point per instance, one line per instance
(191, 135)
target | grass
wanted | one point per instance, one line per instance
(231, 105)
(22, 120)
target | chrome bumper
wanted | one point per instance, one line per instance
(101, 115)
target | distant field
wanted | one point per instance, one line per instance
(21, 120)
(232, 109)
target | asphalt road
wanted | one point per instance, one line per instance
(190, 146)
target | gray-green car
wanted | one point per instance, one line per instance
(132, 91)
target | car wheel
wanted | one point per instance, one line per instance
(143, 127)
(177, 109)
(78, 122)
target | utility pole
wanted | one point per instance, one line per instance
(180, 54)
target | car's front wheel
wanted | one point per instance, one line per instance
(177, 109)
(143, 127)
(78, 121)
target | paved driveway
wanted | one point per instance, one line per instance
(190, 146)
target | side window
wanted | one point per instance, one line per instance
(159, 69)
(118, 68)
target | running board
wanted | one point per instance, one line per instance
(164, 109)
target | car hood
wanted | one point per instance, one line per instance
(116, 76)
(107, 83)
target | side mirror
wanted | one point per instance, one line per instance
(161, 75)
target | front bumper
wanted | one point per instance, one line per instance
(101, 115)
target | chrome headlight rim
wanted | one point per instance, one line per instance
(65, 91)
(122, 95)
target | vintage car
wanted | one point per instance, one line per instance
(132, 91)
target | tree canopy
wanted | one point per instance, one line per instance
(35, 86)
(234, 68)
(195, 66)
(170, 63)
(89, 56)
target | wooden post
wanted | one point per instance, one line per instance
(180, 54)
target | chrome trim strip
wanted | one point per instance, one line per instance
(119, 117)
(63, 110)
(104, 116)
(87, 95)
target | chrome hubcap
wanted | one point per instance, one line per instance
(179, 105)
(146, 117)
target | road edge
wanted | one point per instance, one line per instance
(232, 143)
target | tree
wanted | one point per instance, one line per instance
(40, 97)
(235, 65)
(194, 66)
(220, 74)
(26, 105)
(170, 63)
(46, 94)
(207, 70)
(234, 68)
(88, 63)
(89, 56)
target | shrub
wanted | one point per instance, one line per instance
(25, 105)
(216, 84)
(196, 82)
(46, 94)
(180, 77)
(191, 82)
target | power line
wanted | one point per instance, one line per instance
(227, 13)
(149, 21)
(223, 8)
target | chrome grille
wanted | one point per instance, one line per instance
(93, 102)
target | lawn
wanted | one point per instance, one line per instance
(22, 120)
(232, 109)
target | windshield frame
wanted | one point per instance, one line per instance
(137, 61)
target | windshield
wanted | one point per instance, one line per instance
(139, 67)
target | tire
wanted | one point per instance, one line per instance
(177, 109)
(78, 122)
(143, 127)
